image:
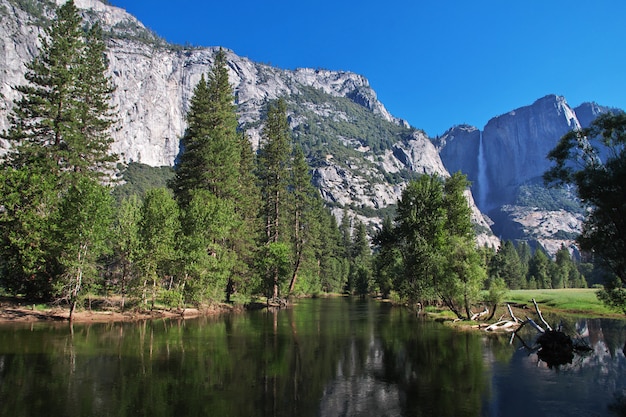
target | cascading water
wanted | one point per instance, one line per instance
(483, 182)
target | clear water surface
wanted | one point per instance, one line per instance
(324, 357)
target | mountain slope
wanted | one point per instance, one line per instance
(362, 155)
(506, 162)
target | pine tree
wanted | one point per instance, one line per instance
(96, 114)
(211, 147)
(360, 260)
(273, 162)
(63, 118)
(192, 164)
(59, 131)
(305, 199)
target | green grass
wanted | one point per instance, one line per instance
(574, 300)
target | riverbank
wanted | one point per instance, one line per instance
(14, 309)
(561, 301)
(568, 302)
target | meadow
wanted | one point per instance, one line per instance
(567, 300)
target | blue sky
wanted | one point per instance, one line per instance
(433, 63)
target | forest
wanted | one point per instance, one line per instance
(228, 224)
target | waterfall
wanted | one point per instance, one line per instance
(483, 182)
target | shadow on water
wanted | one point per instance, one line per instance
(324, 357)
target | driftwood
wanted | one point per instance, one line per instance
(506, 325)
(540, 316)
(477, 316)
(553, 347)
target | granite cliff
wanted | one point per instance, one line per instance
(506, 161)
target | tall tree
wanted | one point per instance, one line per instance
(305, 208)
(360, 260)
(273, 162)
(28, 199)
(157, 231)
(435, 239)
(539, 269)
(126, 244)
(594, 161)
(211, 147)
(60, 133)
(204, 256)
(84, 226)
(62, 120)
(506, 265)
(387, 263)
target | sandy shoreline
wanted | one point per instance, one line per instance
(13, 311)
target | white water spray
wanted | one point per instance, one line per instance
(483, 181)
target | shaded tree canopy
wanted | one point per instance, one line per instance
(593, 160)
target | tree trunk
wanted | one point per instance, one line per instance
(72, 309)
(294, 277)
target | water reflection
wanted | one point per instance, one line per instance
(593, 384)
(338, 357)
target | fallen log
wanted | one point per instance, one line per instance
(505, 325)
(477, 316)
(540, 315)
(508, 306)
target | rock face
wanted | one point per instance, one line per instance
(511, 152)
(516, 145)
(155, 81)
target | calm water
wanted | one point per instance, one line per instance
(337, 357)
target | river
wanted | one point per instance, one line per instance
(323, 357)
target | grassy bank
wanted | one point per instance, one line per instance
(574, 300)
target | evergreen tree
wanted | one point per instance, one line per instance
(506, 265)
(247, 206)
(333, 264)
(211, 147)
(59, 131)
(63, 118)
(539, 269)
(360, 261)
(387, 263)
(192, 163)
(273, 173)
(562, 266)
(305, 207)
(524, 253)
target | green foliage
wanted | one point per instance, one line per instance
(506, 264)
(351, 121)
(204, 259)
(594, 161)
(136, 178)
(157, 232)
(82, 237)
(126, 246)
(55, 212)
(546, 198)
(211, 145)
(613, 295)
(28, 200)
(433, 240)
(36, 9)
(62, 120)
